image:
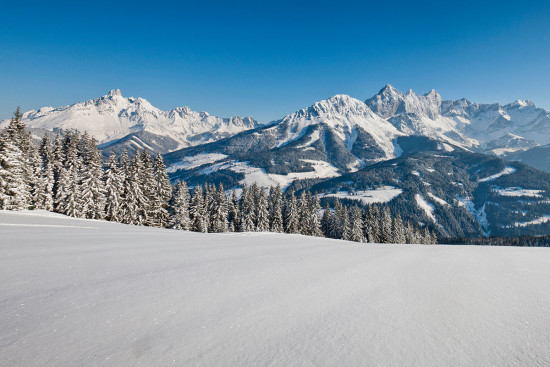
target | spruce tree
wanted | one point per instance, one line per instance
(92, 186)
(114, 185)
(275, 209)
(262, 214)
(180, 207)
(163, 193)
(357, 234)
(291, 215)
(386, 226)
(14, 190)
(198, 211)
(220, 211)
(398, 230)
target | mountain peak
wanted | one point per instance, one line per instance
(114, 93)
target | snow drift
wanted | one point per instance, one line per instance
(82, 292)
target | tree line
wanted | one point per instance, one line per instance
(68, 176)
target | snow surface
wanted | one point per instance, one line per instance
(196, 161)
(506, 171)
(128, 296)
(539, 220)
(321, 169)
(517, 191)
(427, 207)
(382, 194)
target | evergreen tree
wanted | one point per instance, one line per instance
(262, 215)
(43, 190)
(291, 215)
(233, 213)
(398, 230)
(147, 212)
(386, 226)
(346, 225)
(92, 186)
(219, 223)
(198, 211)
(14, 190)
(163, 193)
(357, 234)
(304, 215)
(180, 207)
(247, 212)
(114, 185)
(275, 209)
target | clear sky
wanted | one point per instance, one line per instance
(270, 58)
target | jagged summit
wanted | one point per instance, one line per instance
(114, 93)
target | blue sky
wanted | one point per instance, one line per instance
(267, 59)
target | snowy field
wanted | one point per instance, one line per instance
(88, 293)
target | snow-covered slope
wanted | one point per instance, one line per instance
(88, 293)
(113, 117)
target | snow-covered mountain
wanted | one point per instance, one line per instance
(340, 134)
(116, 121)
(492, 128)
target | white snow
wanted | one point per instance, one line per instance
(540, 220)
(321, 169)
(438, 200)
(113, 116)
(382, 194)
(196, 161)
(517, 191)
(427, 207)
(480, 215)
(505, 171)
(135, 296)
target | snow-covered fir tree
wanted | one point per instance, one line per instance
(113, 181)
(291, 223)
(180, 206)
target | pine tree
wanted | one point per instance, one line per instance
(346, 225)
(163, 193)
(147, 212)
(291, 215)
(275, 209)
(247, 212)
(357, 234)
(233, 213)
(220, 211)
(304, 215)
(67, 200)
(92, 186)
(180, 207)
(340, 217)
(14, 190)
(43, 190)
(198, 212)
(398, 230)
(314, 221)
(262, 214)
(386, 226)
(113, 181)
(327, 221)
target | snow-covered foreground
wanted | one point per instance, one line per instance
(88, 293)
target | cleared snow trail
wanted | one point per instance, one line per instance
(130, 296)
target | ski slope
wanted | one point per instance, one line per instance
(90, 293)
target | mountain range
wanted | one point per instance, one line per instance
(444, 163)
